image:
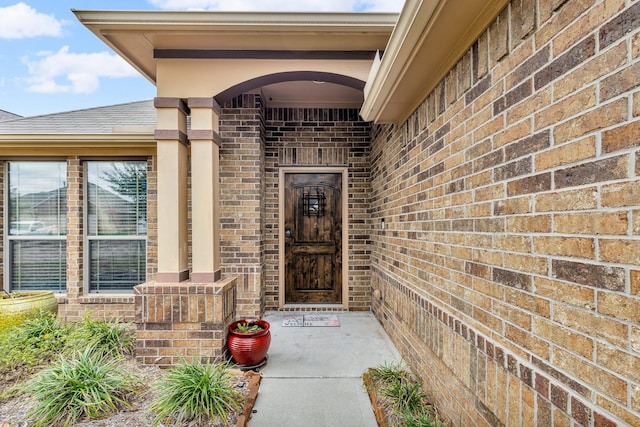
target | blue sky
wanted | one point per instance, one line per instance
(49, 62)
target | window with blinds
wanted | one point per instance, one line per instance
(116, 216)
(37, 218)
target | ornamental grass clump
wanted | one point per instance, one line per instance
(112, 338)
(403, 399)
(89, 384)
(195, 391)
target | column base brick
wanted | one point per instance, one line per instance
(183, 321)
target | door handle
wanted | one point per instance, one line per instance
(288, 233)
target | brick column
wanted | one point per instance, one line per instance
(172, 190)
(75, 236)
(178, 318)
(242, 200)
(205, 188)
(178, 323)
(152, 217)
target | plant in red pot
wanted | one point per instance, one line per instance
(248, 341)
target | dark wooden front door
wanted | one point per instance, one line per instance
(313, 238)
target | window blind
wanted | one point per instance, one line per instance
(37, 210)
(38, 265)
(116, 224)
(116, 265)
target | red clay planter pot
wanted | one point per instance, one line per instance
(249, 348)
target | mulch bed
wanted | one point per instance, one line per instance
(13, 412)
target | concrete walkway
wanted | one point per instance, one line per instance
(313, 374)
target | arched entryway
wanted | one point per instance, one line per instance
(224, 131)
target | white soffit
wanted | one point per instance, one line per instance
(428, 40)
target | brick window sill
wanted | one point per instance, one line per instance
(107, 299)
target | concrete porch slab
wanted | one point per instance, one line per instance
(313, 375)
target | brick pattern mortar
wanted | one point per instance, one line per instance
(510, 257)
(242, 225)
(256, 141)
(321, 137)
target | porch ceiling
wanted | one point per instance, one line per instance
(143, 38)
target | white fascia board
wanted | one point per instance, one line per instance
(410, 53)
(403, 40)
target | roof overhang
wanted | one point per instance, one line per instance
(57, 144)
(139, 36)
(428, 40)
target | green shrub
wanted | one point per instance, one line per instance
(108, 337)
(32, 343)
(88, 383)
(9, 322)
(194, 391)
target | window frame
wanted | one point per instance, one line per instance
(88, 238)
(8, 238)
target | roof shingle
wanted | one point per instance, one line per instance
(140, 114)
(6, 115)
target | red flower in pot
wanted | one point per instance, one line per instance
(248, 341)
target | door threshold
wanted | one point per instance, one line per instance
(313, 307)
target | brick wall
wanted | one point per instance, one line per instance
(509, 267)
(152, 218)
(69, 306)
(321, 137)
(75, 237)
(256, 141)
(183, 321)
(242, 201)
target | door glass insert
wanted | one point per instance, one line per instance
(314, 203)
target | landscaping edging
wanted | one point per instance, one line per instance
(371, 390)
(247, 410)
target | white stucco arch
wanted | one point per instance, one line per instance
(186, 78)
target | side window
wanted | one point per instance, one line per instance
(116, 215)
(37, 218)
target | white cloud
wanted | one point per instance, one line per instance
(21, 21)
(65, 72)
(282, 5)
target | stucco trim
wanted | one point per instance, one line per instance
(135, 34)
(171, 135)
(428, 40)
(204, 102)
(136, 144)
(289, 76)
(207, 277)
(240, 21)
(355, 55)
(169, 102)
(77, 138)
(178, 277)
(204, 135)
